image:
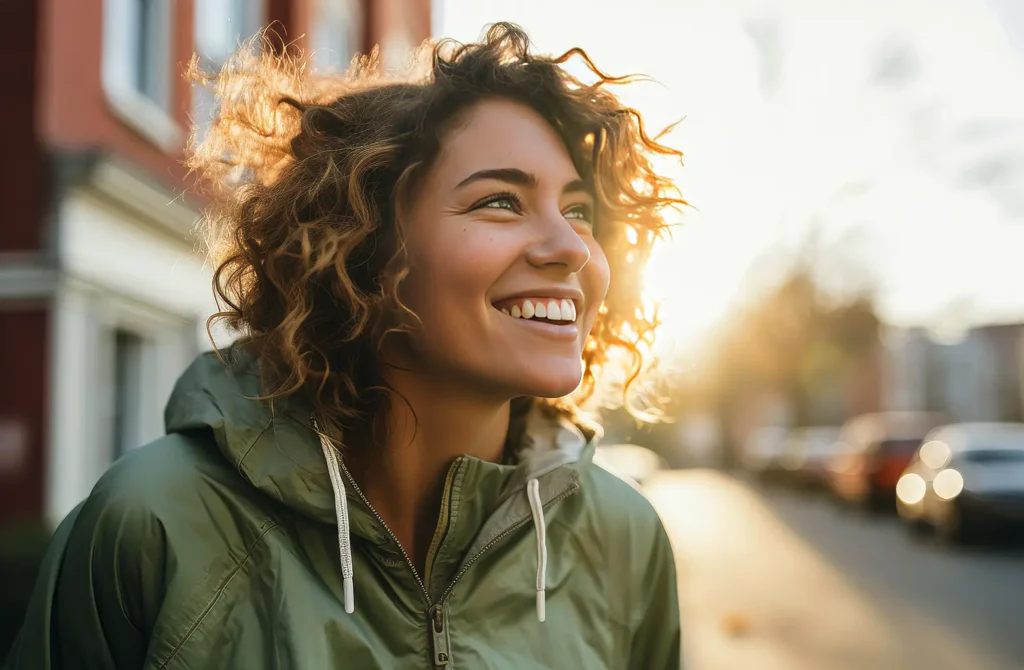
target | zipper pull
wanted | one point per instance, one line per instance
(439, 634)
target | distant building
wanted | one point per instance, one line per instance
(978, 377)
(103, 298)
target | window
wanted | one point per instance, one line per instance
(150, 50)
(998, 456)
(127, 391)
(137, 67)
(335, 33)
(221, 26)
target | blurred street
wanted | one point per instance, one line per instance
(775, 579)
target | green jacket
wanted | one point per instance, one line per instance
(222, 545)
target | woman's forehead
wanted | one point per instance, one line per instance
(498, 134)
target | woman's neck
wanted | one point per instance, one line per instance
(429, 425)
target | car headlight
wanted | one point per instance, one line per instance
(910, 488)
(948, 484)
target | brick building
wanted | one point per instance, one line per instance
(103, 298)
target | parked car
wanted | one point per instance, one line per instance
(966, 481)
(631, 462)
(762, 452)
(806, 454)
(872, 453)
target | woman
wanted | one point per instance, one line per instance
(374, 475)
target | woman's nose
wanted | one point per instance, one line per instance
(558, 244)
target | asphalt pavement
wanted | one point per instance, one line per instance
(777, 580)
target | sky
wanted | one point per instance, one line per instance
(895, 128)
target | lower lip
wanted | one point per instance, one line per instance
(564, 333)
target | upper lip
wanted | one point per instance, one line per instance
(559, 292)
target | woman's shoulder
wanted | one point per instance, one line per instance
(175, 487)
(158, 532)
(167, 516)
(635, 544)
(171, 469)
(620, 503)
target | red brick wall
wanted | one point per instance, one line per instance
(24, 340)
(21, 166)
(387, 17)
(73, 111)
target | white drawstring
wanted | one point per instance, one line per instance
(341, 512)
(345, 539)
(537, 508)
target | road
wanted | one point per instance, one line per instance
(776, 580)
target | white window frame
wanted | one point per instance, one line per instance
(250, 15)
(81, 444)
(145, 115)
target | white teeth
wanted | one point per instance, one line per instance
(568, 310)
(552, 310)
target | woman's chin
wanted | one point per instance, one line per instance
(550, 385)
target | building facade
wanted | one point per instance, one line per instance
(103, 296)
(977, 377)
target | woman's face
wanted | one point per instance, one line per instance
(505, 273)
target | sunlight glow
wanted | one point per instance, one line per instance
(839, 134)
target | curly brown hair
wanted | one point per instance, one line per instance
(306, 174)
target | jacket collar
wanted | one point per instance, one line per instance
(274, 446)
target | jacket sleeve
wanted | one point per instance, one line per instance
(657, 641)
(98, 590)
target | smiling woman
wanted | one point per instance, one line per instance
(482, 149)
(426, 271)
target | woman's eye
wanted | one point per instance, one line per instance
(579, 213)
(506, 201)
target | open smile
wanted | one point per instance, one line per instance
(550, 317)
(553, 310)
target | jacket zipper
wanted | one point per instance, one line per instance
(438, 629)
(498, 538)
(442, 521)
(439, 636)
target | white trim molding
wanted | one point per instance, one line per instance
(145, 117)
(117, 181)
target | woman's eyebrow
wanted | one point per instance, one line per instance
(508, 175)
(519, 178)
(576, 186)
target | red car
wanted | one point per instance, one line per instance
(873, 452)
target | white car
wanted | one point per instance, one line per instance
(631, 462)
(966, 481)
(763, 451)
